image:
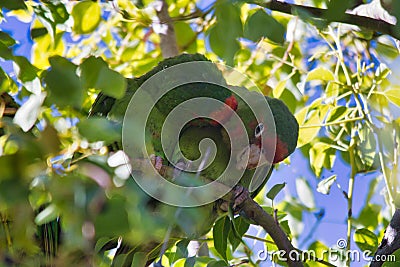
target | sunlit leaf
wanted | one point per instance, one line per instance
(47, 215)
(305, 193)
(280, 87)
(26, 115)
(320, 250)
(324, 187)
(321, 74)
(369, 215)
(332, 90)
(310, 119)
(393, 95)
(322, 155)
(337, 113)
(87, 16)
(365, 151)
(366, 240)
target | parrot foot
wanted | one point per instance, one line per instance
(241, 194)
(156, 161)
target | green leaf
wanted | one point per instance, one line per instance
(95, 73)
(25, 70)
(101, 242)
(181, 250)
(369, 215)
(58, 11)
(224, 34)
(222, 46)
(336, 9)
(366, 240)
(49, 214)
(228, 16)
(220, 233)
(5, 52)
(87, 16)
(332, 90)
(6, 83)
(320, 250)
(260, 24)
(6, 39)
(321, 74)
(241, 227)
(139, 259)
(322, 155)
(366, 156)
(190, 262)
(112, 221)
(324, 187)
(63, 84)
(305, 193)
(13, 5)
(337, 113)
(275, 190)
(371, 189)
(387, 48)
(310, 119)
(395, 256)
(215, 263)
(100, 129)
(185, 36)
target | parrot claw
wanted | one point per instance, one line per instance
(241, 194)
(156, 161)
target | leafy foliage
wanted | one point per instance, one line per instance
(345, 98)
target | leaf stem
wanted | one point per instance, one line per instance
(331, 123)
(350, 196)
(6, 228)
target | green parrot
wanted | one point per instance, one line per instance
(267, 146)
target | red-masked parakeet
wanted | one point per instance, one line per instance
(272, 136)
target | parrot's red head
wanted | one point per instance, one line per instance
(272, 135)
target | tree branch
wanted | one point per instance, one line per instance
(390, 241)
(252, 211)
(377, 25)
(166, 30)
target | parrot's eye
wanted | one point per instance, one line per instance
(259, 130)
